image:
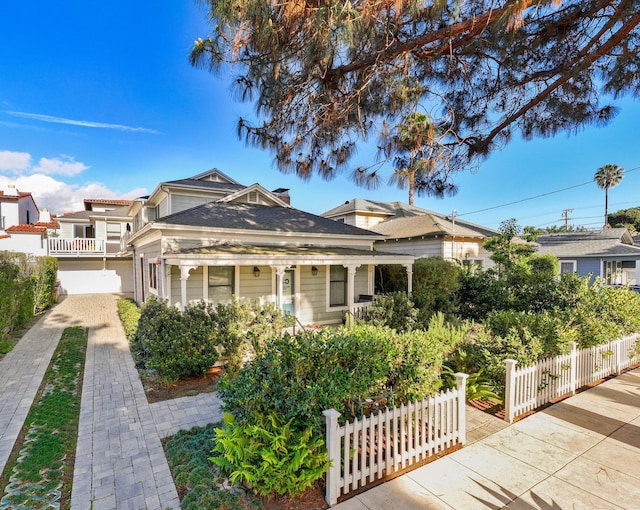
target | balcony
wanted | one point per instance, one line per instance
(77, 246)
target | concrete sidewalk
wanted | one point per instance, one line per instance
(581, 453)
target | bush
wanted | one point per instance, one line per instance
(435, 281)
(45, 274)
(394, 310)
(16, 291)
(129, 316)
(177, 345)
(270, 455)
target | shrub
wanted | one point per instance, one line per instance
(16, 291)
(5, 346)
(129, 316)
(177, 345)
(435, 281)
(394, 310)
(270, 455)
(45, 275)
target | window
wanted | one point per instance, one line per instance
(221, 279)
(620, 272)
(113, 230)
(338, 286)
(153, 276)
(568, 266)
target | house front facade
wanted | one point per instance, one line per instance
(89, 250)
(416, 231)
(210, 238)
(609, 253)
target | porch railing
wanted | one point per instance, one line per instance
(60, 246)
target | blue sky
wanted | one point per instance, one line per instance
(97, 99)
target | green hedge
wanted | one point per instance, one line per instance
(26, 287)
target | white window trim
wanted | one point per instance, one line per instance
(152, 290)
(573, 262)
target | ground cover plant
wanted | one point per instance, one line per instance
(39, 472)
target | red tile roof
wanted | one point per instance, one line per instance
(21, 194)
(5, 236)
(48, 224)
(27, 229)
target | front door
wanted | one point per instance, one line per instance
(288, 292)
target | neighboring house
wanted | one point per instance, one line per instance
(22, 227)
(609, 253)
(88, 248)
(16, 208)
(210, 238)
(416, 231)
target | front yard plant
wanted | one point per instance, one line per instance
(39, 472)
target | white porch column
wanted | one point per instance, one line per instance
(351, 285)
(279, 285)
(184, 276)
(409, 278)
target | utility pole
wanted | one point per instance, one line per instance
(565, 217)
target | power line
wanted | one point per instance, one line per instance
(539, 196)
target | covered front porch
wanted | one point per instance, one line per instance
(318, 285)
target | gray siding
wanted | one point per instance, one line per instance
(415, 247)
(184, 202)
(255, 289)
(194, 286)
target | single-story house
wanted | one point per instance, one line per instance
(416, 231)
(609, 253)
(210, 238)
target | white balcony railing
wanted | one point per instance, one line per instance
(60, 246)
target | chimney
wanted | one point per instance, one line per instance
(282, 194)
(45, 216)
(11, 191)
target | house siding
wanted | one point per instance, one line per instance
(195, 286)
(418, 248)
(255, 289)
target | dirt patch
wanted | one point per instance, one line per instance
(157, 391)
(313, 499)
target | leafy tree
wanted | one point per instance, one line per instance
(325, 75)
(506, 248)
(627, 218)
(606, 177)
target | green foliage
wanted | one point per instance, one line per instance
(300, 376)
(270, 455)
(16, 291)
(5, 346)
(45, 273)
(627, 218)
(391, 278)
(435, 281)
(196, 476)
(394, 310)
(480, 293)
(478, 386)
(179, 345)
(129, 316)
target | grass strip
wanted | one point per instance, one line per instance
(39, 472)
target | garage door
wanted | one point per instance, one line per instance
(90, 277)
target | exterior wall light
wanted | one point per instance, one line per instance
(256, 271)
(314, 270)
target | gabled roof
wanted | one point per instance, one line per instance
(26, 229)
(21, 194)
(210, 185)
(397, 209)
(107, 201)
(430, 224)
(215, 175)
(242, 216)
(233, 197)
(608, 242)
(48, 224)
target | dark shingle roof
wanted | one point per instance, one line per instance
(240, 216)
(604, 243)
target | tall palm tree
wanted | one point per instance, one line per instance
(606, 177)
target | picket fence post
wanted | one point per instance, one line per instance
(461, 383)
(574, 367)
(509, 390)
(333, 450)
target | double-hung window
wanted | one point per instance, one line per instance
(338, 286)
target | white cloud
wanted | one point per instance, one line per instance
(56, 195)
(14, 161)
(63, 165)
(83, 123)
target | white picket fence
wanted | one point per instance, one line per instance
(374, 447)
(528, 388)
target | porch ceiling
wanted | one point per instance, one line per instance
(256, 254)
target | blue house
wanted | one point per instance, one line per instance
(608, 253)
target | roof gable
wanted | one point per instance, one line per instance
(214, 175)
(255, 194)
